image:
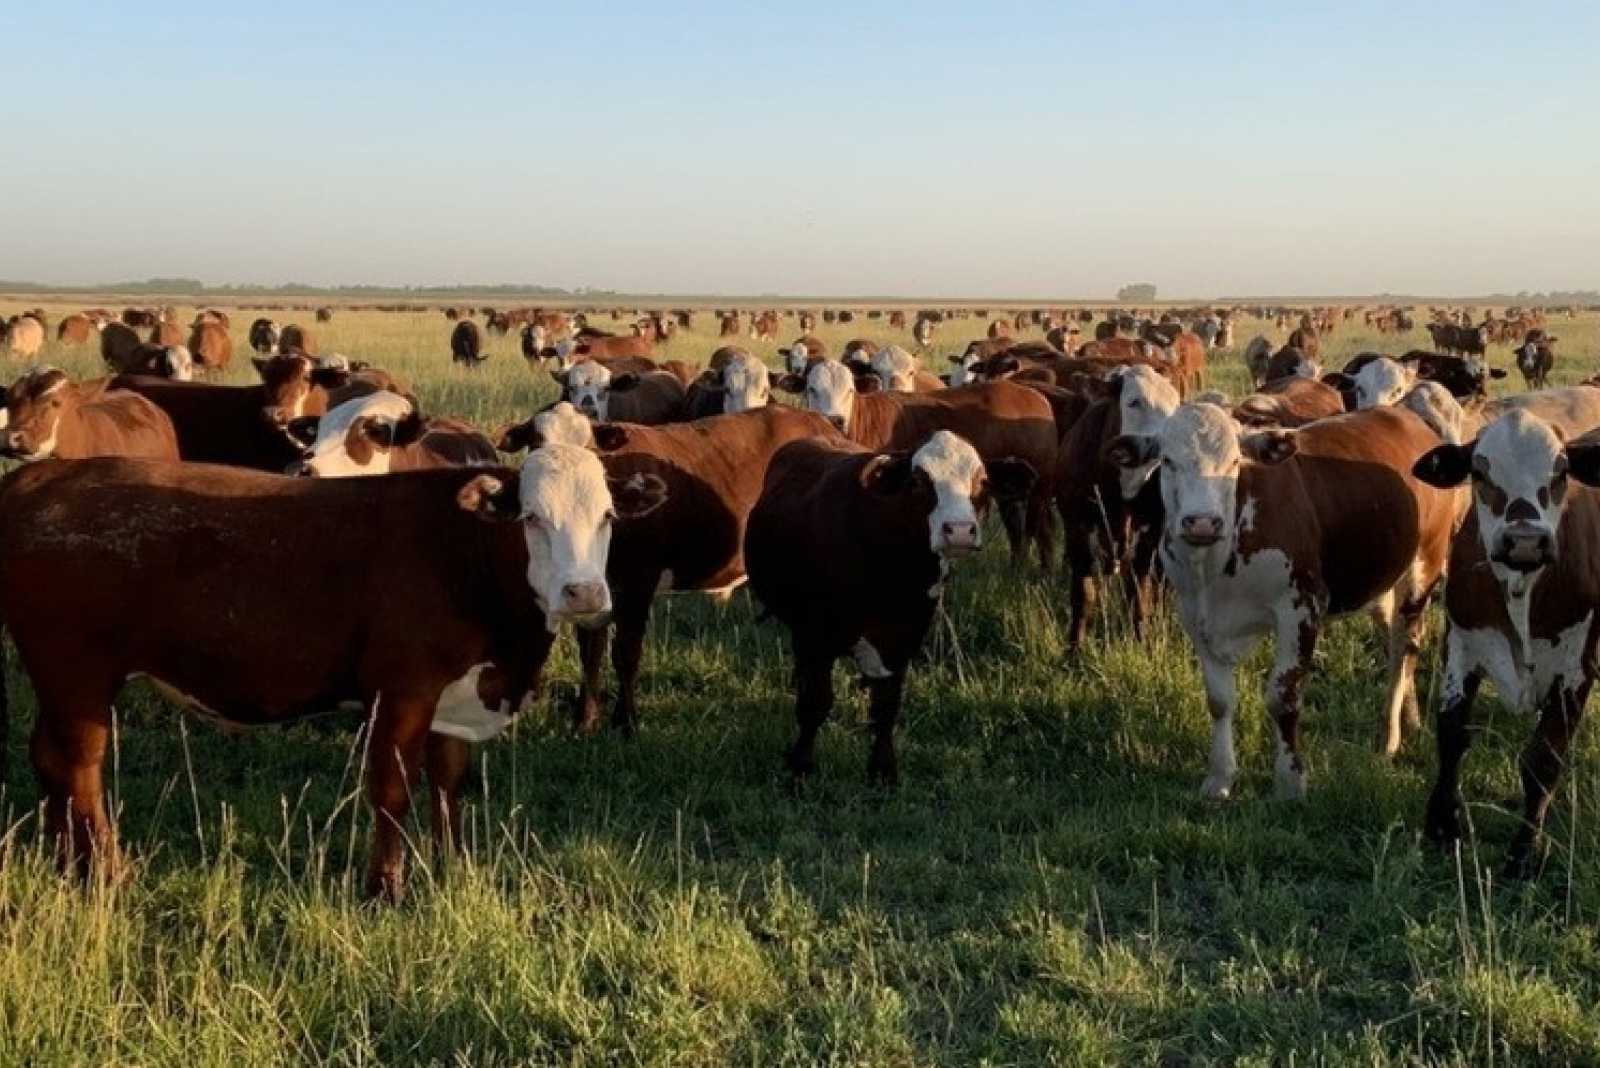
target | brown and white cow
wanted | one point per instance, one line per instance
(264, 336)
(651, 398)
(849, 548)
(1536, 358)
(1522, 601)
(210, 345)
(898, 371)
(1274, 532)
(416, 608)
(383, 432)
(735, 381)
(1290, 402)
(45, 415)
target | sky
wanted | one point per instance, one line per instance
(937, 150)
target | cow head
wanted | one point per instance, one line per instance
(33, 407)
(1434, 405)
(560, 355)
(175, 363)
(288, 383)
(560, 423)
(746, 383)
(895, 369)
(587, 385)
(1380, 383)
(830, 391)
(566, 507)
(1145, 401)
(356, 438)
(1201, 451)
(964, 367)
(947, 478)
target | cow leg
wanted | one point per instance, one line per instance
(1405, 643)
(1042, 523)
(68, 749)
(447, 761)
(1137, 581)
(632, 616)
(1222, 697)
(1459, 689)
(1542, 764)
(813, 700)
(592, 655)
(1014, 517)
(1080, 589)
(399, 736)
(1293, 649)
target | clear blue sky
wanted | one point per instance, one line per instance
(1051, 149)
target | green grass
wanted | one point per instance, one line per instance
(1045, 886)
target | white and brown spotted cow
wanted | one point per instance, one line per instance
(383, 432)
(1521, 599)
(1276, 531)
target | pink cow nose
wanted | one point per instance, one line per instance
(1202, 529)
(585, 599)
(959, 537)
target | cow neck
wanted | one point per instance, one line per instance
(872, 420)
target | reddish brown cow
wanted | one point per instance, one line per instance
(1290, 402)
(44, 414)
(210, 345)
(75, 329)
(297, 339)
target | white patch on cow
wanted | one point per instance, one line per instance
(744, 384)
(1145, 401)
(954, 468)
(1434, 405)
(962, 372)
(1381, 383)
(330, 457)
(563, 424)
(5, 417)
(589, 389)
(868, 662)
(1200, 462)
(566, 522)
(462, 714)
(831, 391)
(895, 368)
(180, 366)
(796, 359)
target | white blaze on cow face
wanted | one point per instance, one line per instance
(1519, 491)
(895, 368)
(564, 425)
(1381, 383)
(831, 392)
(956, 473)
(179, 365)
(962, 374)
(589, 389)
(330, 455)
(745, 384)
(1200, 462)
(563, 350)
(1145, 401)
(796, 358)
(566, 515)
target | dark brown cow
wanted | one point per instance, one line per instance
(211, 346)
(44, 414)
(466, 344)
(421, 611)
(264, 336)
(1536, 358)
(848, 548)
(1290, 402)
(234, 425)
(124, 353)
(381, 433)
(324, 315)
(297, 339)
(729, 325)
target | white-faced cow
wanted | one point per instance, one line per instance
(383, 432)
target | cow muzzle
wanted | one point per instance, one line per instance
(1201, 529)
(584, 602)
(15, 447)
(1525, 547)
(959, 538)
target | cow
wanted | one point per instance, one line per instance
(239, 426)
(1521, 600)
(1257, 354)
(145, 317)
(998, 328)
(1277, 531)
(849, 549)
(805, 351)
(166, 334)
(897, 320)
(264, 336)
(1573, 411)
(1536, 358)
(438, 615)
(297, 339)
(1304, 337)
(1466, 377)
(1290, 362)
(45, 415)
(1002, 420)
(728, 325)
(76, 329)
(124, 353)
(651, 398)
(734, 382)
(1459, 340)
(383, 432)
(324, 315)
(560, 422)
(896, 370)
(24, 337)
(1290, 402)
(808, 322)
(922, 333)
(1376, 382)
(210, 345)
(466, 344)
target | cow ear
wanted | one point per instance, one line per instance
(868, 384)
(304, 429)
(791, 383)
(1011, 479)
(609, 437)
(518, 436)
(1447, 466)
(946, 379)
(1497, 372)
(623, 383)
(1583, 462)
(637, 496)
(409, 430)
(886, 474)
(489, 498)
(330, 377)
(1269, 446)
(261, 365)
(1132, 450)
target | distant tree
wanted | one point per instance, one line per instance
(1137, 293)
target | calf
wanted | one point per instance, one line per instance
(1536, 358)
(1276, 531)
(383, 432)
(44, 414)
(410, 603)
(1521, 599)
(849, 549)
(651, 398)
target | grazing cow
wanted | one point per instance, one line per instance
(1536, 358)
(1001, 420)
(46, 415)
(383, 432)
(1290, 402)
(650, 399)
(210, 345)
(76, 329)
(429, 617)
(264, 336)
(125, 354)
(849, 549)
(297, 339)
(466, 344)
(1278, 530)
(1521, 598)
(24, 337)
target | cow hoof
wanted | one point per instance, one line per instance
(1216, 789)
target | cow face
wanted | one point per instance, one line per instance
(1380, 383)
(566, 508)
(796, 359)
(830, 391)
(895, 369)
(947, 477)
(1519, 467)
(588, 386)
(287, 386)
(356, 438)
(964, 365)
(33, 409)
(1145, 401)
(746, 384)
(176, 363)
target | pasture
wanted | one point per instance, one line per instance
(1045, 885)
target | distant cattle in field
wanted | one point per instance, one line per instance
(76, 329)
(1459, 340)
(764, 327)
(1536, 358)
(210, 345)
(140, 317)
(466, 344)
(167, 333)
(808, 322)
(922, 333)
(45, 415)
(24, 337)
(729, 325)
(324, 315)
(264, 336)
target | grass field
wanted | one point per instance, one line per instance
(1045, 886)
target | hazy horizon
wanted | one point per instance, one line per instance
(1032, 150)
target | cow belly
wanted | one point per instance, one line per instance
(1228, 613)
(462, 711)
(1488, 651)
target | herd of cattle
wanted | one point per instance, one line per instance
(431, 598)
